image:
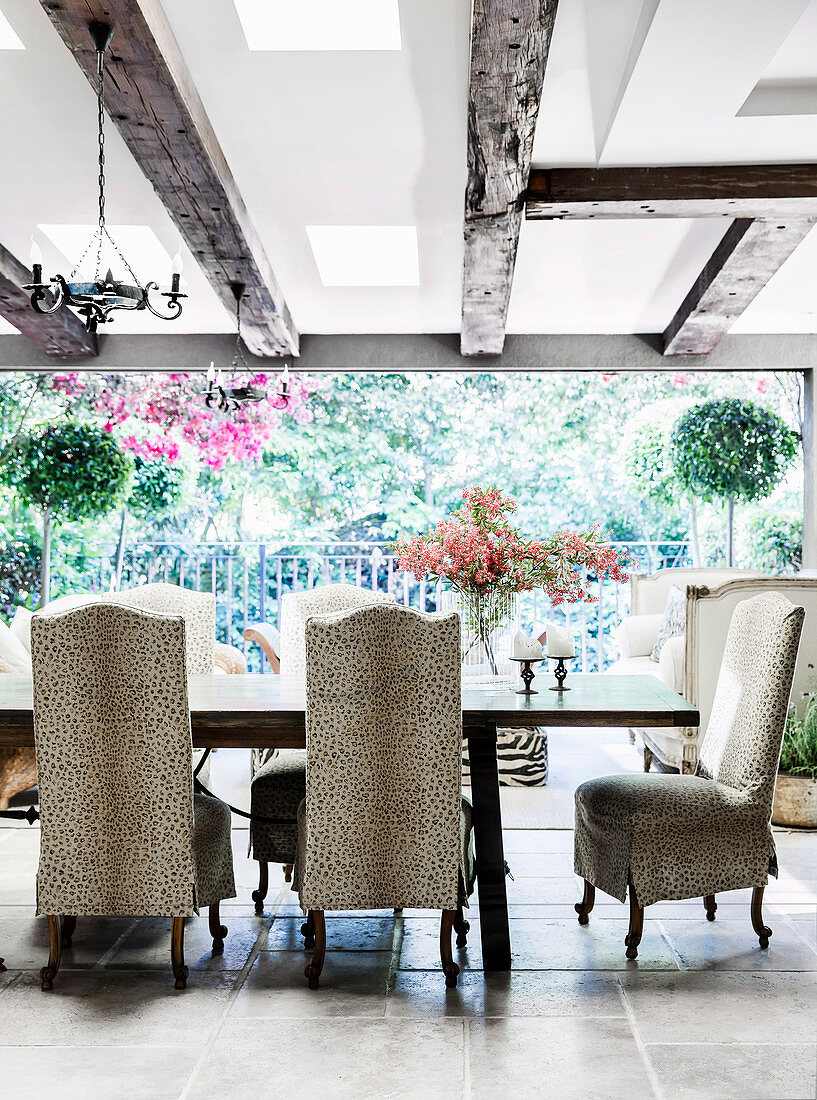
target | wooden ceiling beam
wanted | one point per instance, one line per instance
(730, 191)
(510, 40)
(61, 335)
(748, 255)
(151, 98)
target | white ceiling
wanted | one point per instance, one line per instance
(362, 138)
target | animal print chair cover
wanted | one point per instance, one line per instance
(680, 836)
(296, 607)
(198, 609)
(382, 815)
(121, 832)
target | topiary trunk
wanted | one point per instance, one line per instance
(45, 565)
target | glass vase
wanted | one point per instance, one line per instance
(487, 624)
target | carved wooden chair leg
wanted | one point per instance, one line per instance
(762, 930)
(2, 965)
(263, 885)
(217, 930)
(633, 937)
(180, 971)
(288, 872)
(585, 907)
(461, 927)
(308, 930)
(450, 968)
(313, 971)
(710, 905)
(648, 755)
(49, 972)
(69, 925)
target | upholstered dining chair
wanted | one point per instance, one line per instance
(122, 833)
(278, 780)
(382, 824)
(673, 837)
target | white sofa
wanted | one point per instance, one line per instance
(690, 664)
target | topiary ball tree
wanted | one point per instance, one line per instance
(731, 450)
(156, 490)
(67, 472)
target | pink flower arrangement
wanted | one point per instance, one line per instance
(479, 553)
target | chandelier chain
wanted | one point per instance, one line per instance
(100, 118)
(238, 355)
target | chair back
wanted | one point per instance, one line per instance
(113, 744)
(741, 747)
(296, 607)
(198, 609)
(383, 775)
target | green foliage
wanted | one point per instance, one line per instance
(157, 488)
(73, 471)
(731, 448)
(799, 752)
(19, 574)
(775, 543)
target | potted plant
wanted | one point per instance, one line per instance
(795, 796)
(487, 563)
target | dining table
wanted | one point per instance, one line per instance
(266, 711)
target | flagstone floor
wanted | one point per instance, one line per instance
(701, 1013)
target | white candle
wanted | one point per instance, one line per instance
(525, 648)
(559, 642)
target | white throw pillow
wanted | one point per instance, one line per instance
(13, 656)
(673, 624)
(21, 627)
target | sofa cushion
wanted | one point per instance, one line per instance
(21, 627)
(630, 666)
(673, 622)
(13, 655)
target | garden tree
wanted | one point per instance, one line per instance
(66, 472)
(155, 493)
(647, 463)
(729, 450)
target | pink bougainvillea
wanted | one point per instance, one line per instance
(154, 415)
(476, 548)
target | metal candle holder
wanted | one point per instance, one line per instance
(527, 674)
(560, 672)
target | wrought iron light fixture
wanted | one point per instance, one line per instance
(96, 299)
(233, 393)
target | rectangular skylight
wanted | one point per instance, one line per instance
(320, 24)
(8, 38)
(139, 244)
(365, 255)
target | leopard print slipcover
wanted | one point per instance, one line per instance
(296, 607)
(383, 788)
(679, 836)
(121, 833)
(198, 609)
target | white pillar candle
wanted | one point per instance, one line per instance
(525, 648)
(559, 642)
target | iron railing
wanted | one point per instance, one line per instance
(249, 580)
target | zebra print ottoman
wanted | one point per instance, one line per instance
(522, 757)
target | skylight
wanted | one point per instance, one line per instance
(8, 39)
(139, 244)
(320, 24)
(365, 255)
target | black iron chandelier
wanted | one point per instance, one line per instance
(96, 299)
(234, 392)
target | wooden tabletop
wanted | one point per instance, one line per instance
(258, 711)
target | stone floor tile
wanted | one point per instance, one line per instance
(805, 924)
(353, 983)
(147, 945)
(342, 934)
(90, 1073)
(355, 1059)
(525, 993)
(571, 1058)
(733, 945)
(419, 945)
(720, 1007)
(537, 840)
(113, 1008)
(24, 940)
(552, 945)
(736, 1072)
(540, 864)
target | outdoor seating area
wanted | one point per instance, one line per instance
(408, 550)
